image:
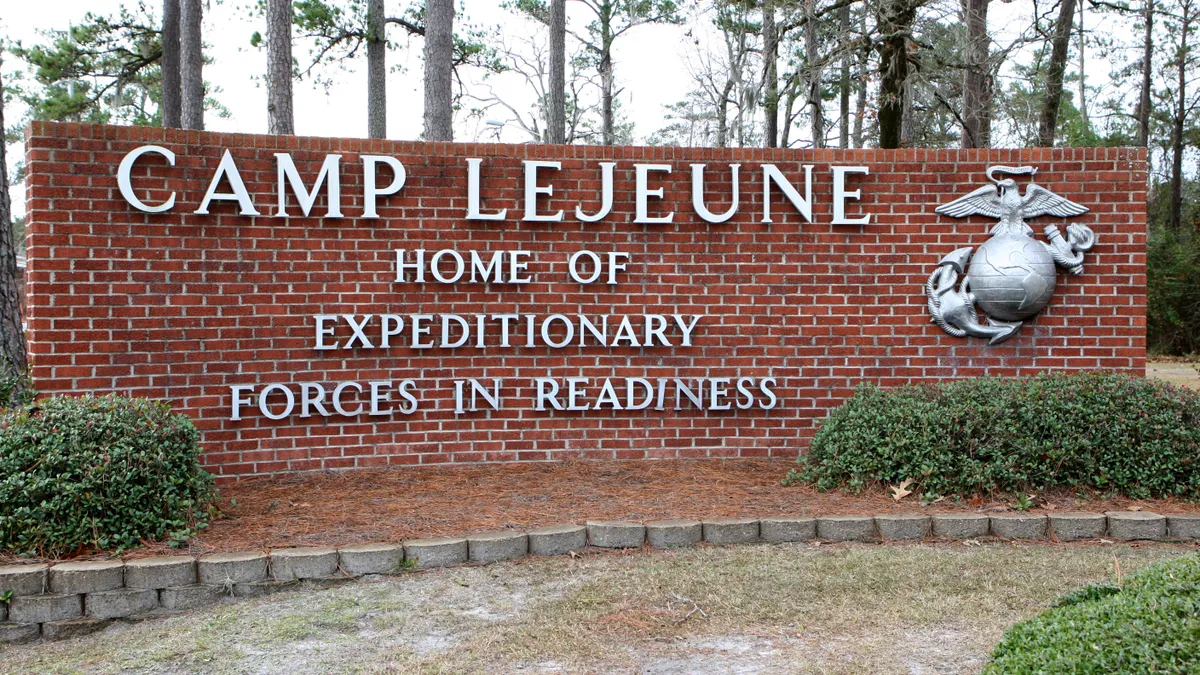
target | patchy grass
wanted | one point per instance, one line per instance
(793, 608)
(1182, 373)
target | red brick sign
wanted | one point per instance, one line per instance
(323, 303)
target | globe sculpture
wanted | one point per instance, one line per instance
(1011, 277)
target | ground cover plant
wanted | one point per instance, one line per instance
(1111, 432)
(1151, 624)
(98, 472)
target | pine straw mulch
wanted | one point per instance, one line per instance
(395, 504)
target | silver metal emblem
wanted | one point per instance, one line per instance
(1012, 275)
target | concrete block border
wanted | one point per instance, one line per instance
(56, 601)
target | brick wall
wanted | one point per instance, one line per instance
(183, 306)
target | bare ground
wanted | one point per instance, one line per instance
(748, 609)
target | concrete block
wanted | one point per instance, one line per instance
(371, 558)
(616, 533)
(119, 603)
(321, 583)
(1184, 526)
(436, 552)
(783, 529)
(63, 630)
(1019, 525)
(674, 533)
(23, 579)
(189, 597)
(1072, 525)
(1130, 525)
(43, 608)
(730, 530)
(960, 525)
(220, 569)
(486, 547)
(257, 589)
(86, 576)
(846, 528)
(160, 572)
(902, 526)
(17, 633)
(557, 539)
(303, 563)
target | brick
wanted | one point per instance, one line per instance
(190, 597)
(96, 324)
(960, 525)
(782, 529)
(1019, 525)
(119, 603)
(43, 608)
(616, 534)
(160, 572)
(24, 579)
(730, 530)
(435, 552)
(1070, 526)
(18, 633)
(303, 563)
(846, 528)
(371, 558)
(64, 630)
(487, 547)
(86, 576)
(1129, 525)
(673, 533)
(903, 526)
(557, 539)
(219, 569)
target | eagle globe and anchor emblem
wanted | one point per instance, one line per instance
(1012, 275)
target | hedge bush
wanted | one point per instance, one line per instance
(1112, 432)
(1149, 625)
(103, 472)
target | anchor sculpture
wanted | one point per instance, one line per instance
(1012, 275)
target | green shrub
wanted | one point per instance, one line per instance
(1115, 433)
(1149, 625)
(104, 472)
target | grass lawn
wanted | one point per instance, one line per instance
(783, 608)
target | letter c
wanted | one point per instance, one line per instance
(127, 188)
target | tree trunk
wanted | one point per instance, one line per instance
(12, 334)
(1083, 108)
(975, 77)
(1181, 114)
(171, 91)
(895, 25)
(606, 73)
(1048, 122)
(439, 46)
(191, 64)
(1143, 109)
(771, 100)
(556, 118)
(812, 75)
(376, 70)
(860, 102)
(844, 80)
(280, 116)
(723, 114)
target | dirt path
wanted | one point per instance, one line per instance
(748, 609)
(1181, 372)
